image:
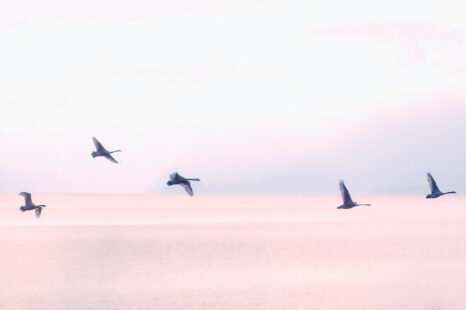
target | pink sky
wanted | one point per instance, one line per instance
(234, 92)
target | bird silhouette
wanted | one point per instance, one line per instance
(101, 151)
(348, 203)
(176, 179)
(28, 205)
(434, 190)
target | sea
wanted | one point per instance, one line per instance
(255, 252)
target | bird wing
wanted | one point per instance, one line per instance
(109, 157)
(38, 211)
(187, 186)
(176, 177)
(99, 147)
(344, 193)
(433, 186)
(27, 198)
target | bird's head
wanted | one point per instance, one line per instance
(24, 194)
(170, 183)
(94, 154)
(429, 196)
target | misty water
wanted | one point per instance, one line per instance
(232, 252)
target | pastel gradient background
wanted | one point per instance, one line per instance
(250, 96)
(269, 103)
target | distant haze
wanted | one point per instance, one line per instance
(249, 96)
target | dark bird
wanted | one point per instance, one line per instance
(101, 151)
(175, 179)
(28, 205)
(348, 203)
(434, 190)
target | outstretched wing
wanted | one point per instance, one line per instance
(27, 198)
(38, 211)
(344, 193)
(433, 186)
(109, 157)
(98, 146)
(187, 186)
(176, 178)
(173, 176)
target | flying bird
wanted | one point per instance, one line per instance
(28, 205)
(434, 190)
(175, 179)
(348, 203)
(101, 151)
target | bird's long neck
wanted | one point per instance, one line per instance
(364, 204)
(42, 206)
(452, 192)
(193, 179)
(115, 151)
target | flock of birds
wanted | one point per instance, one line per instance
(348, 203)
(176, 179)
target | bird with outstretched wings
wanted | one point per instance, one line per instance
(102, 151)
(175, 178)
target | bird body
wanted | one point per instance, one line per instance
(348, 203)
(102, 151)
(29, 205)
(176, 179)
(435, 192)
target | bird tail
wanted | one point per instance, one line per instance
(22, 208)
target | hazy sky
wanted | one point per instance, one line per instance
(250, 96)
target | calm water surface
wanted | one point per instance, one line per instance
(232, 252)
